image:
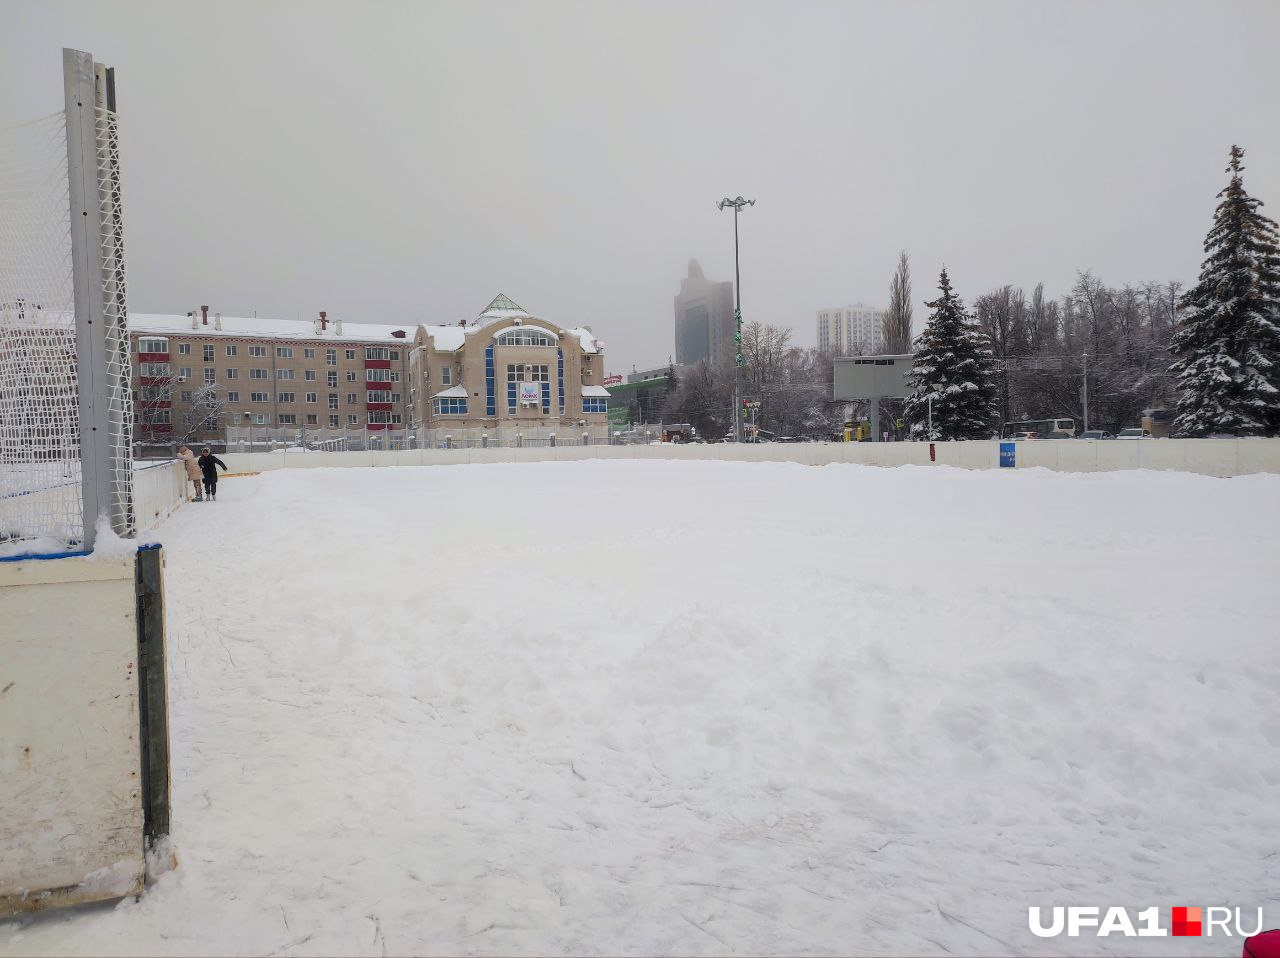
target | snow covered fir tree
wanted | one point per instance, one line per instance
(1227, 346)
(953, 366)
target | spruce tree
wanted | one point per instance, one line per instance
(1227, 345)
(952, 363)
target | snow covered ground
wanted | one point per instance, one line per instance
(709, 708)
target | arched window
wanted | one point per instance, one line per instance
(525, 336)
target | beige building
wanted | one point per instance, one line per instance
(200, 377)
(506, 377)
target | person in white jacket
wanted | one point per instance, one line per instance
(188, 459)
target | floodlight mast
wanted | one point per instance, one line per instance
(737, 204)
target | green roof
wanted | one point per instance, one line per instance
(502, 302)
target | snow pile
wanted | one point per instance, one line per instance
(709, 708)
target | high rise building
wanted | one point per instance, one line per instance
(855, 330)
(704, 319)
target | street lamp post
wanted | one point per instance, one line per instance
(737, 205)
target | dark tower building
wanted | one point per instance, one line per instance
(704, 319)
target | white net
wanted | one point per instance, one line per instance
(41, 464)
(116, 318)
(40, 500)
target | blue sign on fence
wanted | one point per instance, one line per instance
(1007, 454)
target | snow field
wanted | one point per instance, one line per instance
(702, 708)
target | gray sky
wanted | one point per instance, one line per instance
(404, 162)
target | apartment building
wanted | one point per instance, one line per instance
(198, 374)
(855, 330)
(704, 321)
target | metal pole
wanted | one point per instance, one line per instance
(931, 417)
(86, 257)
(1085, 390)
(737, 335)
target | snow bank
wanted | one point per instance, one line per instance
(709, 708)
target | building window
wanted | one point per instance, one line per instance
(184, 372)
(333, 400)
(233, 396)
(378, 395)
(351, 375)
(331, 357)
(185, 395)
(156, 417)
(184, 349)
(353, 420)
(333, 422)
(351, 399)
(284, 352)
(208, 352)
(379, 416)
(397, 419)
(284, 374)
(376, 352)
(395, 355)
(395, 398)
(233, 374)
(351, 354)
(377, 375)
(260, 419)
(287, 419)
(449, 406)
(286, 397)
(525, 336)
(257, 350)
(150, 345)
(257, 374)
(311, 419)
(309, 352)
(332, 378)
(258, 397)
(155, 393)
(157, 370)
(595, 405)
(309, 375)
(395, 376)
(210, 376)
(311, 397)
(231, 350)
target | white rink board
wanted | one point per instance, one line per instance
(1209, 457)
(71, 828)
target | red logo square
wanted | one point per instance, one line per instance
(1186, 922)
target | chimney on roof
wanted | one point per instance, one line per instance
(324, 322)
(217, 321)
(204, 315)
(398, 333)
(191, 315)
(337, 327)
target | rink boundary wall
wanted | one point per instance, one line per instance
(1209, 457)
(71, 815)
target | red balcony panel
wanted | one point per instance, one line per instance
(156, 403)
(378, 426)
(377, 364)
(154, 380)
(153, 357)
(156, 427)
(380, 405)
(383, 386)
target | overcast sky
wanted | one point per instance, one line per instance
(405, 162)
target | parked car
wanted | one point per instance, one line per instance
(1019, 436)
(1096, 434)
(1134, 434)
(1054, 435)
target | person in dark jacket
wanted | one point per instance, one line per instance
(208, 463)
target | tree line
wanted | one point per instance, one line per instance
(1212, 352)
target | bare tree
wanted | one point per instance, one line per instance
(897, 322)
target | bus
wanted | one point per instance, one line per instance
(1041, 427)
